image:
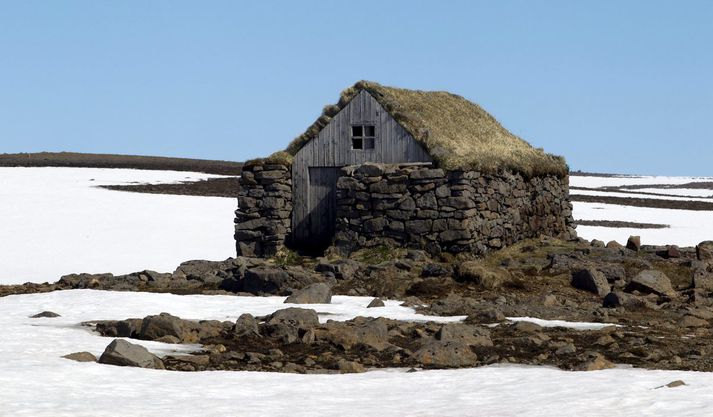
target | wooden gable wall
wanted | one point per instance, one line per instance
(333, 148)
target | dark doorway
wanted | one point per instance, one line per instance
(322, 200)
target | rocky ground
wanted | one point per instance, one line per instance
(211, 187)
(654, 303)
(89, 160)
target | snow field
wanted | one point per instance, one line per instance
(55, 221)
(688, 227)
(36, 381)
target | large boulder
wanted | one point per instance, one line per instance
(704, 251)
(246, 325)
(319, 293)
(122, 353)
(164, 324)
(296, 317)
(445, 354)
(651, 281)
(591, 280)
(702, 279)
(376, 302)
(265, 280)
(276, 281)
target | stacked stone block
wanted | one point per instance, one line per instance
(455, 211)
(263, 218)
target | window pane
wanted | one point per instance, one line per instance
(357, 143)
(368, 143)
(357, 131)
(369, 130)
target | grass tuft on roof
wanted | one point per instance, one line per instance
(458, 134)
(277, 158)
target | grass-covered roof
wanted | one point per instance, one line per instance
(457, 133)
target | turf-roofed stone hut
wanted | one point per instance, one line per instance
(413, 168)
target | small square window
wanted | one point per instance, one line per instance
(363, 136)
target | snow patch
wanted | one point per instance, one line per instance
(56, 221)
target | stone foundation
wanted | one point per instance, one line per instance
(454, 211)
(263, 219)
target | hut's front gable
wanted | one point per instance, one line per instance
(348, 139)
(361, 132)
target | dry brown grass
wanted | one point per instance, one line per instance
(277, 158)
(457, 133)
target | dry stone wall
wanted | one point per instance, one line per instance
(455, 211)
(263, 217)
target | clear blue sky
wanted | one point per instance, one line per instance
(614, 86)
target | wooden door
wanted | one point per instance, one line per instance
(322, 204)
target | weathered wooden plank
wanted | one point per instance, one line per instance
(333, 148)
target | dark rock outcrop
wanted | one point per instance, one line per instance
(45, 314)
(591, 280)
(319, 293)
(122, 353)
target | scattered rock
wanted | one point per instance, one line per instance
(675, 384)
(526, 327)
(319, 293)
(550, 300)
(591, 280)
(373, 333)
(164, 324)
(486, 316)
(651, 281)
(596, 243)
(376, 302)
(629, 301)
(672, 252)
(48, 314)
(417, 255)
(692, 321)
(246, 325)
(122, 353)
(613, 244)
(445, 354)
(342, 269)
(297, 317)
(435, 270)
(702, 279)
(634, 243)
(704, 251)
(470, 335)
(81, 357)
(567, 349)
(597, 363)
(265, 281)
(350, 367)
